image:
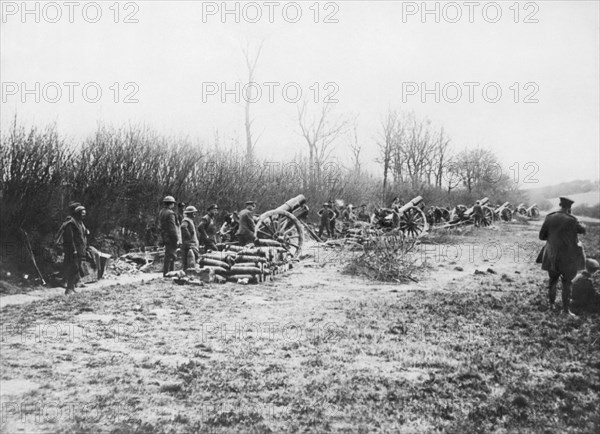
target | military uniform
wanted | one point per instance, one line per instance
(74, 238)
(477, 215)
(245, 233)
(561, 256)
(169, 230)
(189, 242)
(207, 231)
(325, 214)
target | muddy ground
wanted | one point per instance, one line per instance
(470, 347)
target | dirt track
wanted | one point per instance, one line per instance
(471, 346)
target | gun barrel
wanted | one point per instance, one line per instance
(501, 207)
(532, 207)
(482, 202)
(414, 202)
(292, 204)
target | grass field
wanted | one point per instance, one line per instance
(473, 349)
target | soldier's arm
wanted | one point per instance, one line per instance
(544, 231)
(202, 230)
(69, 239)
(174, 227)
(581, 228)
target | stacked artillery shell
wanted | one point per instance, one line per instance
(248, 264)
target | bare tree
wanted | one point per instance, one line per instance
(387, 144)
(355, 147)
(441, 157)
(319, 133)
(251, 62)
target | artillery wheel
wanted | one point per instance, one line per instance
(506, 215)
(413, 222)
(534, 213)
(488, 216)
(281, 226)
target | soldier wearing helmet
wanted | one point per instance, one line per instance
(189, 238)
(169, 230)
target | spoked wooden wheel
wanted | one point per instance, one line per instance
(283, 227)
(413, 222)
(506, 215)
(488, 216)
(534, 213)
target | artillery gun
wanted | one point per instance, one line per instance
(533, 211)
(284, 225)
(409, 218)
(503, 212)
(467, 216)
(521, 209)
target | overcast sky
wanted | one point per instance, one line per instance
(372, 52)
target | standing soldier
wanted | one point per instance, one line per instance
(189, 239)
(207, 229)
(169, 230)
(74, 237)
(325, 214)
(245, 233)
(561, 256)
(335, 214)
(477, 214)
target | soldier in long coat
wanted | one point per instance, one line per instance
(189, 238)
(169, 230)
(561, 257)
(207, 229)
(245, 233)
(74, 238)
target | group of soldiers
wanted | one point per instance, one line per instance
(330, 212)
(562, 256)
(183, 233)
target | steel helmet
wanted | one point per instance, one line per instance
(190, 209)
(169, 199)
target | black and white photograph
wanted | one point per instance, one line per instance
(299, 216)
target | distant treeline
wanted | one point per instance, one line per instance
(121, 176)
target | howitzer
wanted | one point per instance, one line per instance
(521, 209)
(468, 217)
(284, 225)
(483, 202)
(533, 211)
(409, 218)
(504, 212)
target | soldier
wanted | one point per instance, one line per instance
(189, 239)
(348, 216)
(584, 297)
(74, 238)
(325, 214)
(561, 256)
(169, 230)
(477, 214)
(332, 220)
(245, 233)
(208, 229)
(363, 215)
